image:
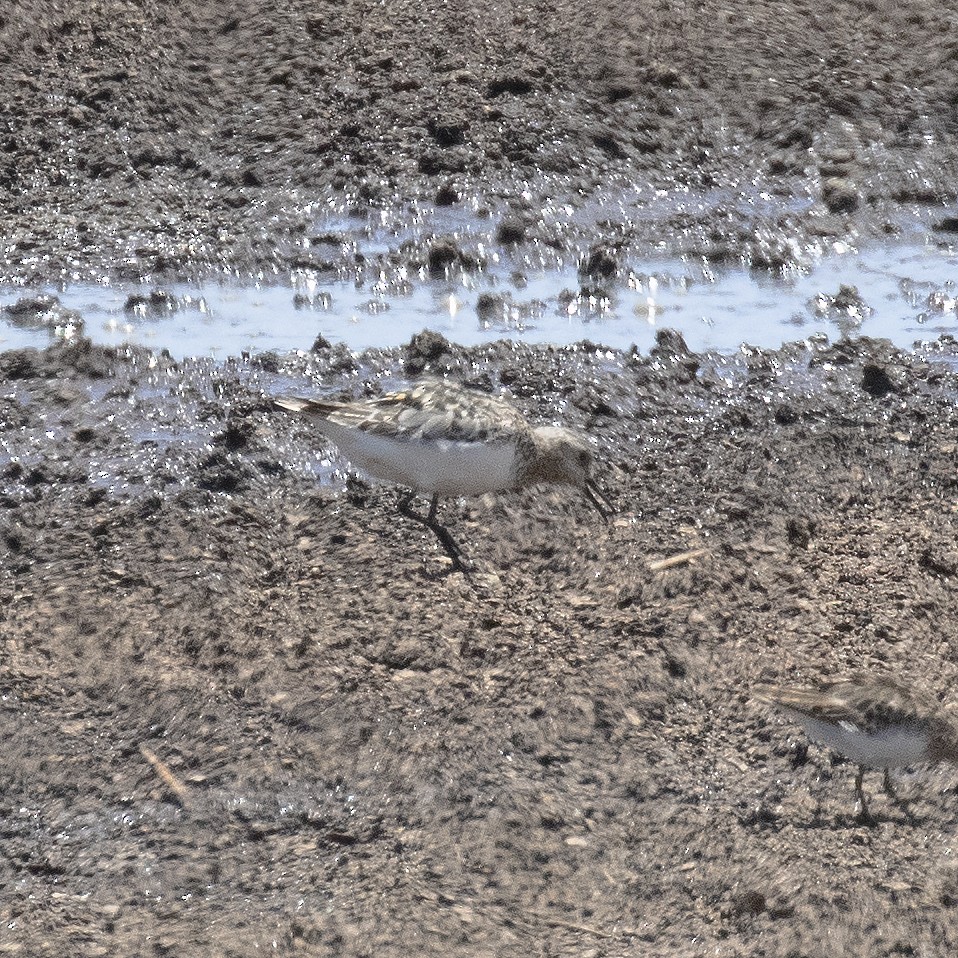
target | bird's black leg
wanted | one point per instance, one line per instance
(405, 506)
(864, 816)
(889, 791)
(895, 797)
(437, 528)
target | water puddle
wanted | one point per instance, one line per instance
(906, 293)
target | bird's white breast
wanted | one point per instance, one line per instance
(888, 748)
(431, 466)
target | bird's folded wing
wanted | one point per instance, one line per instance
(429, 411)
(810, 703)
(869, 708)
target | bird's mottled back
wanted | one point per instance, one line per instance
(868, 703)
(430, 410)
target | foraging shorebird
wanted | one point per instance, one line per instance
(876, 722)
(439, 439)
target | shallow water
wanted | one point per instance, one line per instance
(907, 292)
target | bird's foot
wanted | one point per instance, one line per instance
(863, 816)
(448, 543)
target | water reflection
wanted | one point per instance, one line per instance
(904, 293)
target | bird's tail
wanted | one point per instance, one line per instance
(312, 407)
(798, 700)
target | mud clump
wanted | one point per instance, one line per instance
(601, 263)
(37, 312)
(426, 350)
(511, 231)
(840, 195)
(876, 381)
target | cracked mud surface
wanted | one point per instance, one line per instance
(245, 709)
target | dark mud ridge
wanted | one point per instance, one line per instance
(245, 707)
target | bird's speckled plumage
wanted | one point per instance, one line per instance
(441, 439)
(869, 705)
(875, 721)
(435, 418)
(431, 409)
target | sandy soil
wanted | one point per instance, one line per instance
(246, 711)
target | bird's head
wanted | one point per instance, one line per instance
(564, 457)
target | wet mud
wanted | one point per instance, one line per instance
(246, 705)
(220, 140)
(246, 708)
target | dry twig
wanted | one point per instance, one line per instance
(169, 779)
(681, 559)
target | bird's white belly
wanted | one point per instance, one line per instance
(886, 749)
(429, 466)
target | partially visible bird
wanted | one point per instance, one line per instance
(876, 722)
(441, 439)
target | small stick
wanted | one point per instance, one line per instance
(168, 778)
(681, 559)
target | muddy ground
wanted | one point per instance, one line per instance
(179, 139)
(365, 754)
(245, 708)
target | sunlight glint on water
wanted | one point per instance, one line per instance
(909, 293)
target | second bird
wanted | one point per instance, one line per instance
(876, 722)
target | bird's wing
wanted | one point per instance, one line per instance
(882, 701)
(868, 704)
(432, 409)
(813, 703)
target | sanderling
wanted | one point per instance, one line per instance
(876, 722)
(440, 439)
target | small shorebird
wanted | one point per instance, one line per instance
(440, 439)
(875, 722)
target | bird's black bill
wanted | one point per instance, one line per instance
(595, 495)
